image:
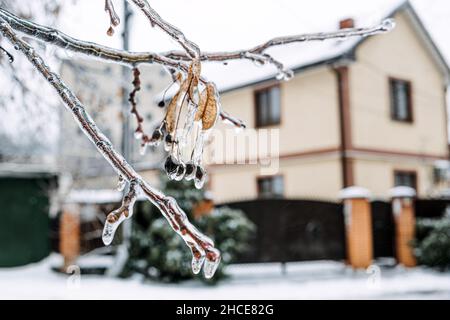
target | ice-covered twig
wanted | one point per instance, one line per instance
(201, 246)
(114, 19)
(385, 26)
(139, 132)
(116, 217)
(6, 53)
(66, 42)
(192, 50)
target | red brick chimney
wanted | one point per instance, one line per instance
(347, 23)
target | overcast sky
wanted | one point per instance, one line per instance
(232, 24)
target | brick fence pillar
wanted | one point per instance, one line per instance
(405, 224)
(69, 234)
(358, 225)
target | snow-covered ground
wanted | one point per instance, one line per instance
(312, 280)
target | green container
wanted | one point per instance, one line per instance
(24, 220)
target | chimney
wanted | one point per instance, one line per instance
(347, 23)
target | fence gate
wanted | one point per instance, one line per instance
(294, 230)
(383, 226)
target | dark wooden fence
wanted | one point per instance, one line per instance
(431, 208)
(294, 230)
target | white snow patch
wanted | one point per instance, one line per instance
(311, 280)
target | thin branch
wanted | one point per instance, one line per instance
(139, 132)
(192, 50)
(66, 42)
(201, 246)
(60, 39)
(250, 54)
(114, 19)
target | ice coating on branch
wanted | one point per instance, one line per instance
(109, 230)
(116, 217)
(212, 262)
(113, 17)
(9, 55)
(121, 183)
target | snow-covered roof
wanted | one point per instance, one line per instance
(27, 170)
(298, 56)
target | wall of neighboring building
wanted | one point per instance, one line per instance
(413, 146)
(309, 110)
(309, 130)
(99, 87)
(308, 178)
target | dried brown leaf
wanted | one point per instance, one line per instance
(211, 109)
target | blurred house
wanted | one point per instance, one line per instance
(368, 111)
(359, 111)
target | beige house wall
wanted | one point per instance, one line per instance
(309, 112)
(399, 54)
(303, 178)
(378, 175)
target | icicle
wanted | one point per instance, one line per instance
(116, 217)
(212, 262)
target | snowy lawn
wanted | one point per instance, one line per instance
(312, 280)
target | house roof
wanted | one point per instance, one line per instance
(301, 56)
(14, 170)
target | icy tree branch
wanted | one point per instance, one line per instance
(66, 42)
(193, 51)
(204, 253)
(258, 53)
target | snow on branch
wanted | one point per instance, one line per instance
(202, 248)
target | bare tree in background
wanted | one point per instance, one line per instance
(28, 119)
(191, 113)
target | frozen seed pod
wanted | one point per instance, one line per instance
(168, 142)
(190, 171)
(181, 170)
(200, 177)
(171, 167)
(157, 137)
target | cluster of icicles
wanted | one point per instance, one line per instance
(191, 114)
